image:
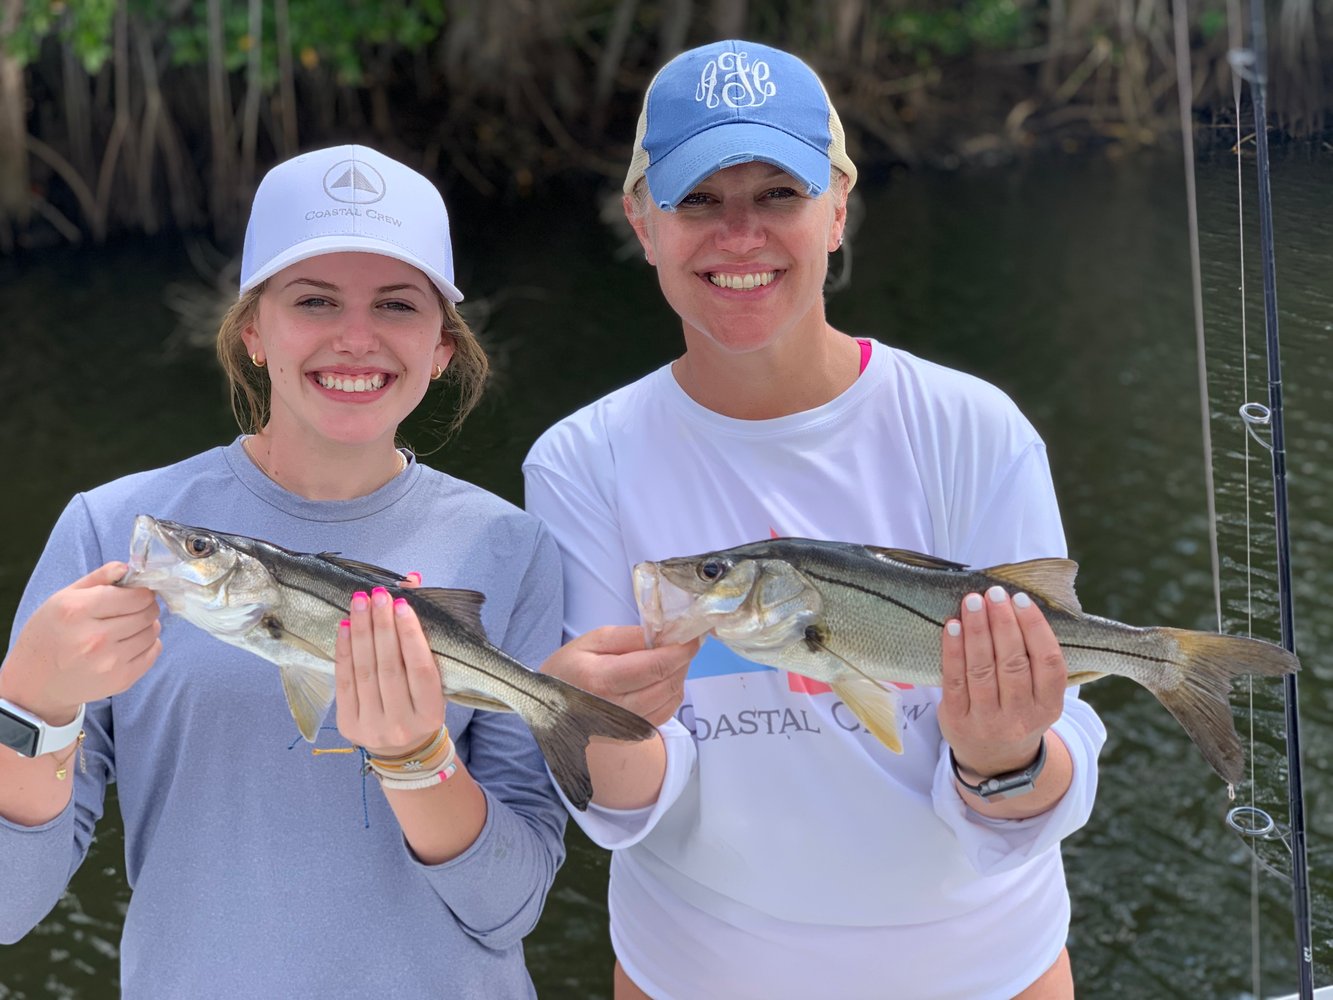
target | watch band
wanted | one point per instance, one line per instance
(30, 736)
(1007, 785)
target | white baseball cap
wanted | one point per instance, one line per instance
(347, 199)
(735, 102)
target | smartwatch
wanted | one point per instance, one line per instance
(29, 736)
(1003, 786)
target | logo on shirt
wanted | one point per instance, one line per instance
(788, 720)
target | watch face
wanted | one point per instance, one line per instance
(17, 734)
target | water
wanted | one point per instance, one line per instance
(1065, 282)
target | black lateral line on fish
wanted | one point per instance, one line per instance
(875, 593)
(495, 677)
(924, 617)
(1114, 652)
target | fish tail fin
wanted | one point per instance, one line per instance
(1198, 691)
(564, 732)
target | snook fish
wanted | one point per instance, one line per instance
(855, 616)
(285, 606)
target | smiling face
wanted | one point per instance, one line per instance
(350, 341)
(742, 259)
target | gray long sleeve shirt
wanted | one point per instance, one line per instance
(254, 871)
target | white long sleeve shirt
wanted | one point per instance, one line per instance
(789, 853)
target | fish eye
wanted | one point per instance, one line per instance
(712, 569)
(199, 545)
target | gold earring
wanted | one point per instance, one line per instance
(254, 360)
(437, 373)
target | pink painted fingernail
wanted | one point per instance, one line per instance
(996, 594)
(972, 602)
(1021, 600)
(380, 596)
(414, 576)
(400, 605)
(345, 623)
(953, 627)
(359, 600)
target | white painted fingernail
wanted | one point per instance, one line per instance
(996, 595)
(972, 602)
(953, 627)
(1022, 600)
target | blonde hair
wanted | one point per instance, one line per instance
(468, 370)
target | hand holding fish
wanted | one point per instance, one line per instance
(389, 701)
(90, 640)
(614, 663)
(388, 687)
(1003, 685)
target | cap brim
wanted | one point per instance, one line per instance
(344, 243)
(728, 144)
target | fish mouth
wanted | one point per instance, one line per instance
(150, 553)
(669, 613)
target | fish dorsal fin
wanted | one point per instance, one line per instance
(465, 605)
(875, 705)
(914, 558)
(376, 574)
(309, 694)
(1052, 580)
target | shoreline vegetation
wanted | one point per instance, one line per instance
(142, 116)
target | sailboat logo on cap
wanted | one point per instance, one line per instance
(354, 182)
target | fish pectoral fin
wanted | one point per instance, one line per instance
(473, 699)
(309, 694)
(376, 574)
(874, 705)
(912, 558)
(296, 642)
(465, 605)
(1051, 580)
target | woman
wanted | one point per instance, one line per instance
(257, 867)
(768, 846)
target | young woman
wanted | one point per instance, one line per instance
(769, 846)
(257, 867)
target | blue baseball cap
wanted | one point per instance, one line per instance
(347, 199)
(735, 102)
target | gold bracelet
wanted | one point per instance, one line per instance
(423, 749)
(416, 765)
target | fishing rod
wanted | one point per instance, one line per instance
(1252, 65)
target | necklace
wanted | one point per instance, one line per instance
(245, 444)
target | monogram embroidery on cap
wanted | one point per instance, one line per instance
(731, 79)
